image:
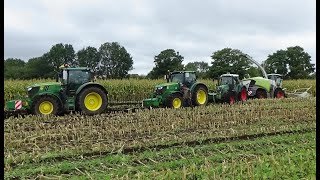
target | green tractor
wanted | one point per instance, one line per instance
(230, 89)
(75, 90)
(181, 90)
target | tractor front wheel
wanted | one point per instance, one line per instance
(243, 95)
(92, 100)
(261, 94)
(278, 93)
(175, 101)
(231, 98)
(46, 105)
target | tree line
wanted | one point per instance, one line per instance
(113, 61)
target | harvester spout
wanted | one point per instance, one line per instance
(255, 62)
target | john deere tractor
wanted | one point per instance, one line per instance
(181, 89)
(75, 90)
(230, 89)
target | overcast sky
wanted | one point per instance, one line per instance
(146, 27)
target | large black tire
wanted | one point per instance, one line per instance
(279, 93)
(92, 100)
(197, 98)
(243, 94)
(174, 101)
(46, 105)
(261, 94)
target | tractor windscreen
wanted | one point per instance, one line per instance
(79, 77)
(178, 78)
(225, 80)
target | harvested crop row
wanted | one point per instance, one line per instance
(39, 136)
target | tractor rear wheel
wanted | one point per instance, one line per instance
(174, 101)
(243, 95)
(200, 96)
(278, 93)
(46, 105)
(92, 100)
(261, 94)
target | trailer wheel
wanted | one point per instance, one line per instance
(261, 94)
(278, 93)
(46, 105)
(175, 101)
(200, 96)
(243, 95)
(92, 100)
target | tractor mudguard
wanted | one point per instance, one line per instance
(196, 84)
(49, 94)
(91, 84)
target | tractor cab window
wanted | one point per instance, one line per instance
(225, 80)
(79, 77)
(178, 78)
(190, 78)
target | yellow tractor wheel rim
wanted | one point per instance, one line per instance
(201, 96)
(46, 107)
(176, 103)
(93, 101)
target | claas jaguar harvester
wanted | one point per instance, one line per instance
(268, 86)
(181, 89)
(75, 90)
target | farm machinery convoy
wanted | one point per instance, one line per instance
(76, 90)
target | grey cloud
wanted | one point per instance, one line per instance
(145, 28)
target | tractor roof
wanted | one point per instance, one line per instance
(233, 75)
(274, 74)
(176, 72)
(77, 68)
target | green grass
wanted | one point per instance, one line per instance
(287, 156)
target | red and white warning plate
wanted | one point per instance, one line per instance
(18, 104)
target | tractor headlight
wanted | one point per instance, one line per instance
(161, 89)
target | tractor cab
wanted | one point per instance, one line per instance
(187, 78)
(228, 80)
(277, 78)
(73, 78)
(230, 89)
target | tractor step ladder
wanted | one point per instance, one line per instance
(71, 104)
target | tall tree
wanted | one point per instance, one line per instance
(88, 57)
(167, 60)
(38, 67)
(229, 60)
(115, 61)
(200, 67)
(292, 63)
(14, 68)
(60, 54)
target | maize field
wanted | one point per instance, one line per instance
(259, 139)
(135, 90)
